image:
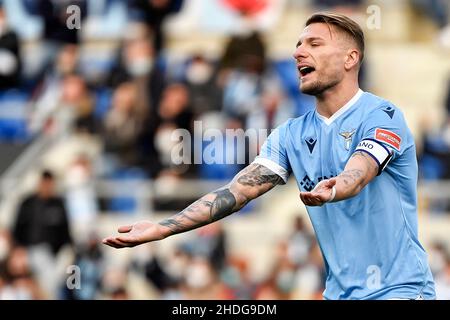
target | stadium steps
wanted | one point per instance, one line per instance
(10, 152)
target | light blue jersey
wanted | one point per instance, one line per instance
(369, 242)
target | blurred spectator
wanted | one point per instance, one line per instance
(5, 244)
(123, 127)
(137, 63)
(438, 10)
(300, 243)
(310, 277)
(174, 112)
(245, 52)
(280, 282)
(202, 282)
(272, 111)
(202, 83)
(304, 253)
(23, 18)
(236, 275)
(152, 267)
(438, 255)
(298, 272)
(436, 152)
(209, 243)
(154, 12)
(175, 107)
(175, 268)
(78, 101)
(16, 279)
(241, 94)
(105, 19)
(442, 281)
(89, 259)
(81, 196)
(55, 16)
(120, 294)
(241, 74)
(10, 60)
(42, 218)
(48, 92)
(114, 283)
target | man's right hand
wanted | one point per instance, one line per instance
(136, 234)
(248, 184)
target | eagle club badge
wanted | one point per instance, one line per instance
(348, 137)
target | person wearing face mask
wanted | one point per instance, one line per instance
(50, 85)
(138, 66)
(202, 84)
(10, 62)
(153, 13)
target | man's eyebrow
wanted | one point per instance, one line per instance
(308, 39)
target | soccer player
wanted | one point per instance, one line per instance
(354, 160)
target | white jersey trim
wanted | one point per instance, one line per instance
(273, 166)
(342, 110)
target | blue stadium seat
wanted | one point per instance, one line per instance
(103, 99)
(13, 116)
(126, 204)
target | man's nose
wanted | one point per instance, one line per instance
(300, 53)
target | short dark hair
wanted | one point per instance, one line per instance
(47, 175)
(345, 24)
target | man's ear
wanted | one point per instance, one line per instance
(351, 59)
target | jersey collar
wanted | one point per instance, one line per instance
(342, 110)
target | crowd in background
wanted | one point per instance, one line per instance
(131, 96)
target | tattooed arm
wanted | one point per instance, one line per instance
(358, 172)
(248, 184)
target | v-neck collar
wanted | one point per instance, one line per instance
(342, 110)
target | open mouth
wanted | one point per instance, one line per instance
(305, 70)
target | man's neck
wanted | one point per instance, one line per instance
(333, 99)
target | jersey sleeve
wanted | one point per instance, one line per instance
(384, 136)
(273, 153)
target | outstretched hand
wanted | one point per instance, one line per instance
(136, 234)
(321, 194)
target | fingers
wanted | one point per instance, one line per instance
(127, 240)
(115, 243)
(124, 229)
(331, 183)
(302, 197)
(311, 199)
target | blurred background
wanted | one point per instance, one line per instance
(87, 109)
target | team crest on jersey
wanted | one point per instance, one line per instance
(348, 137)
(388, 137)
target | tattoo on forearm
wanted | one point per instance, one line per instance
(221, 203)
(371, 163)
(258, 175)
(351, 176)
(202, 212)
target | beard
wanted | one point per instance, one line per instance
(318, 87)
